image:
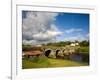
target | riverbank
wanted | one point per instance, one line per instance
(44, 62)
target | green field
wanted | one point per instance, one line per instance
(44, 62)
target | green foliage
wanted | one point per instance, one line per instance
(84, 43)
(61, 43)
(84, 49)
(34, 59)
(40, 60)
(30, 48)
(35, 62)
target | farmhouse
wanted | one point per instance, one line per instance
(74, 44)
(38, 45)
(32, 53)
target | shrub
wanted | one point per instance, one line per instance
(30, 48)
(40, 60)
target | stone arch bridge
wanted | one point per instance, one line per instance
(53, 52)
(59, 51)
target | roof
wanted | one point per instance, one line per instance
(33, 53)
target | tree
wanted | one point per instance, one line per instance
(84, 43)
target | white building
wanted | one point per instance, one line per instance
(74, 44)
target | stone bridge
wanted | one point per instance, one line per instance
(52, 51)
(55, 52)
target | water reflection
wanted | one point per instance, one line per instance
(80, 57)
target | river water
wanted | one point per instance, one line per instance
(81, 57)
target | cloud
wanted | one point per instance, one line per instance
(46, 35)
(29, 41)
(87, 35)
(73, 30)
(39, 27)
(79, 37)
(76, 34)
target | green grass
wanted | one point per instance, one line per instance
(44, 62)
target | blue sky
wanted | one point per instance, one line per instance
(72, 20)
(73, 24)
(43, 27)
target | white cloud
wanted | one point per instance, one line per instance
(73, 30)
(43, 36)
(76, 34)
(87, 35)
(38, 27)
(78, 37)
(29, 41)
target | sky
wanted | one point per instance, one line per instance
(46, 27)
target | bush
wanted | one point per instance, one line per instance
(30, 48)
(43, 60)
(84, 43)
(40, 60)
(84, 49)
(35, 59)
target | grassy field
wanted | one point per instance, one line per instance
(44, 62)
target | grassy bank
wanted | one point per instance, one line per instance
(44, 62)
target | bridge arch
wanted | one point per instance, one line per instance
(59, 53)
(47, 52)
